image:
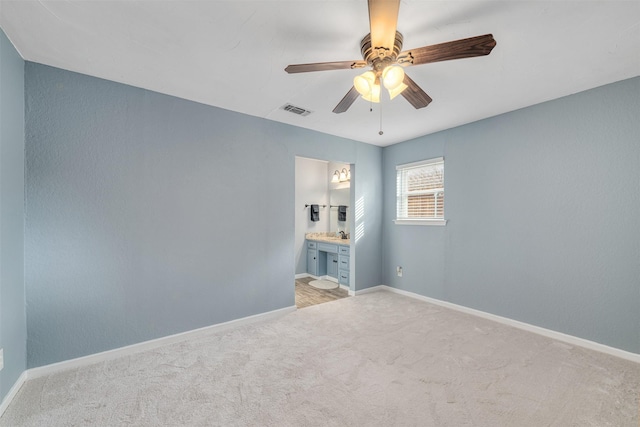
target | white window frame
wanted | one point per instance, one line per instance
(417, 221)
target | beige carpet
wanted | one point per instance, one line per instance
(378, 359)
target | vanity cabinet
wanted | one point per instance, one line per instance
(328, 259)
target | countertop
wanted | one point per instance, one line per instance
(329, 237)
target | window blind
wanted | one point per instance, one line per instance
(420, 190)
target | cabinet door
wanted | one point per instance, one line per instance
(332, 265)
(312, 262)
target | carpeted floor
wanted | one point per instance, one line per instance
(378, 359)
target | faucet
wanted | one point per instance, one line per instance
(343, 235)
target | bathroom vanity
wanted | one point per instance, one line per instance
(328, 256)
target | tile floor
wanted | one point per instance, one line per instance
(307, 295)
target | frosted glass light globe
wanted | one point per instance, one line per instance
(364, 82)
(392, 77)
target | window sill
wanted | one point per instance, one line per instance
(438, 222)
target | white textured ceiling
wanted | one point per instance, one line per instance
(232, 54)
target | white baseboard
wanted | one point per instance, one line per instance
(569, 339)
(374, 289)
(151, 344)
(302, 275)
(12, 393)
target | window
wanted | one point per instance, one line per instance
(420, 193)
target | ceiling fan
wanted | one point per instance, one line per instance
(382, 51)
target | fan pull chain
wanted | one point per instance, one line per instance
(380, 132)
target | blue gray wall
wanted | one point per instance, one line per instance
(13, 331)
(543, 206)
(148, 215)
(367, 213)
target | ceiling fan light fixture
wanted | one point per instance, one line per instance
(364, 82)
(397, 91)
(392, 77)
(368, 85)
(374, 95)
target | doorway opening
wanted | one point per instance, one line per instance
(323, 218)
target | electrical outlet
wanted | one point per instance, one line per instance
(399, 271)
(1, 358)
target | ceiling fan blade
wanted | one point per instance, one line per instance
(346, 102)
(324, 66)
(383, 21)
(414, 94)
(463, 48)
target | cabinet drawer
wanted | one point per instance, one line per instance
(343, 250)
(327, 247)
(312, 245)
(343, 262)
(343, 277)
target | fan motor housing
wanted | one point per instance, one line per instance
(380, 57)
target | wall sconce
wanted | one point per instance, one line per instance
(342, 176)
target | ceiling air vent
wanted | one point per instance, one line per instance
(296, 110)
